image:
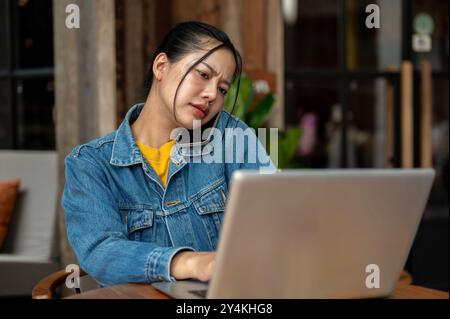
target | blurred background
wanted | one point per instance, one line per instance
(359, 97)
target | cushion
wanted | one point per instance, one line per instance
(8, 195)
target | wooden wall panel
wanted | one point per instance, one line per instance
(134, 52)
(254, 34)
(231, 21)
(254, 26)
(275, 58)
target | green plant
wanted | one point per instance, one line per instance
(256, 112)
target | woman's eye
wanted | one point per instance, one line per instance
(203, 75)
(222, 91)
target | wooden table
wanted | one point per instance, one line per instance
(143, 291)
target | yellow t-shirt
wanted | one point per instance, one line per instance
(159, 159)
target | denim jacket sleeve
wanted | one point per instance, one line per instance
(98, 235)
(248, 152)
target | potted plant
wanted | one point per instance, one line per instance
(255, 112)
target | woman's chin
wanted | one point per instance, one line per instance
(191, 122)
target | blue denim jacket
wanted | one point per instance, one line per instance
(123, 225)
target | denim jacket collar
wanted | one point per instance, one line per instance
(125, 151)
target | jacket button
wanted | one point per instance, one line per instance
(172, 203)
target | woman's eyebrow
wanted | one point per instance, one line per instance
(215, 72)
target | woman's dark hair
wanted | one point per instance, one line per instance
(188, 37)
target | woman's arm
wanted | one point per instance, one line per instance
(188, 264)
(98, 235)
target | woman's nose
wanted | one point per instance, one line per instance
(210, 92)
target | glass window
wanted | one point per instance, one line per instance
(4, 38)
(366, 123)
(35, 104)
(438, 203)
(5, 116)
(312, 35)
(310, 104)
(35, 33)
(26, 105)
(374, 48)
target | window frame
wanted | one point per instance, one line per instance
(344, 76)
(13, 74)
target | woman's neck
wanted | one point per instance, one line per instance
(154, 124)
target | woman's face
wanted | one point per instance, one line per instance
(202, 93)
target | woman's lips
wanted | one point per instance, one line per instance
(199, 110)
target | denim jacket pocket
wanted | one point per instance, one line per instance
(210, 207)
(139, 224)
(212, 201)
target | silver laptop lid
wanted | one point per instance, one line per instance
(318, 233)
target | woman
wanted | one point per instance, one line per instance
(137, 207)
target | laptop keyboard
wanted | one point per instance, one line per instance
(199, 293)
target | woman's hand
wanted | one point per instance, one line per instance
(196, 265)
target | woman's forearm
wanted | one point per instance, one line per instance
(196, 265)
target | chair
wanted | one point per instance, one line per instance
(30, 251)
(405, 278)
(47, 287)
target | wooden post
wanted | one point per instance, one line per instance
(407, 133)
(426, 151)
(231, 12)
(134, 53)
(208, 11)
(85, 84)
(254, 34)
(389, 131)
(275, 59)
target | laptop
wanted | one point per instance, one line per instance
(314, 234)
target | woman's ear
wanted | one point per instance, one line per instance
(160, 65)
